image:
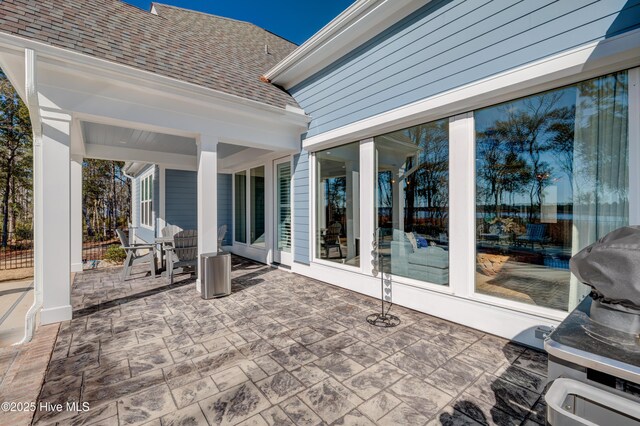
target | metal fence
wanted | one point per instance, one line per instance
(94, 251)
(17, 252)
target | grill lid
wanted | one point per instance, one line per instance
(611, 267)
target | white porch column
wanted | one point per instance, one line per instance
(207, 197)
(76, 213)
(54, 236)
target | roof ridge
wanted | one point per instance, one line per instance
(222, 17)
(202, 13)
(139, 9)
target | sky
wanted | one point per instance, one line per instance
(295, 20)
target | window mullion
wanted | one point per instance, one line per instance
(462, 204)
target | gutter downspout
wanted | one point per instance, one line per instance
(38, 215)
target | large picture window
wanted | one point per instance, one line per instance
(338, 204)
(552, 176)
(146, 201)
(412, 200)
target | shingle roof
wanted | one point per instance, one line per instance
(207, 50)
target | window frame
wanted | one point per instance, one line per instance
(247, 207)
(314, 235)
(147, 201)
(462, 190)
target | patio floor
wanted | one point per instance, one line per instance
(282, 349)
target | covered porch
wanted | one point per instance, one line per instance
(282, 349)
(84, 107)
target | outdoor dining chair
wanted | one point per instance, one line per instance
(332, 238)
(536, 233)
(136, 255)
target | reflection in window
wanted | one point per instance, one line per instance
(240, 207)
(552, 177)
(257, 206)
(413, 201)
(338, 204)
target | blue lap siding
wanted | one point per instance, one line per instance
(449, 43)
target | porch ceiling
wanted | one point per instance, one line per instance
(112, 142)
(122, 137)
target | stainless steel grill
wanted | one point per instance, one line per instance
(602, 365)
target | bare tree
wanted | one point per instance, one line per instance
(15, 147)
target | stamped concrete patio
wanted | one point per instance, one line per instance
(282, 349)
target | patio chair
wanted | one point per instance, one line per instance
(222, 231)
(536, 233)
(134, 257)
(496, 234)
(170, 230)
(184, 252)
(332, 238)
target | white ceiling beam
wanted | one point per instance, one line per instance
(249, 158)
(77, 138)
(104, 152)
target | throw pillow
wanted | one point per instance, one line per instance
(412, 240)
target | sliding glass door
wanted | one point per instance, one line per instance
(338, 204)
(249, 207)
(240, 207)
(256, 195)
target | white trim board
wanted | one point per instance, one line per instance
(634, 146)
(588, 61)
(162, 202)
(55, 315)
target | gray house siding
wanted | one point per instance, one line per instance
(450, 43)
(181, 200)
(224, 205)
(301, 212)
